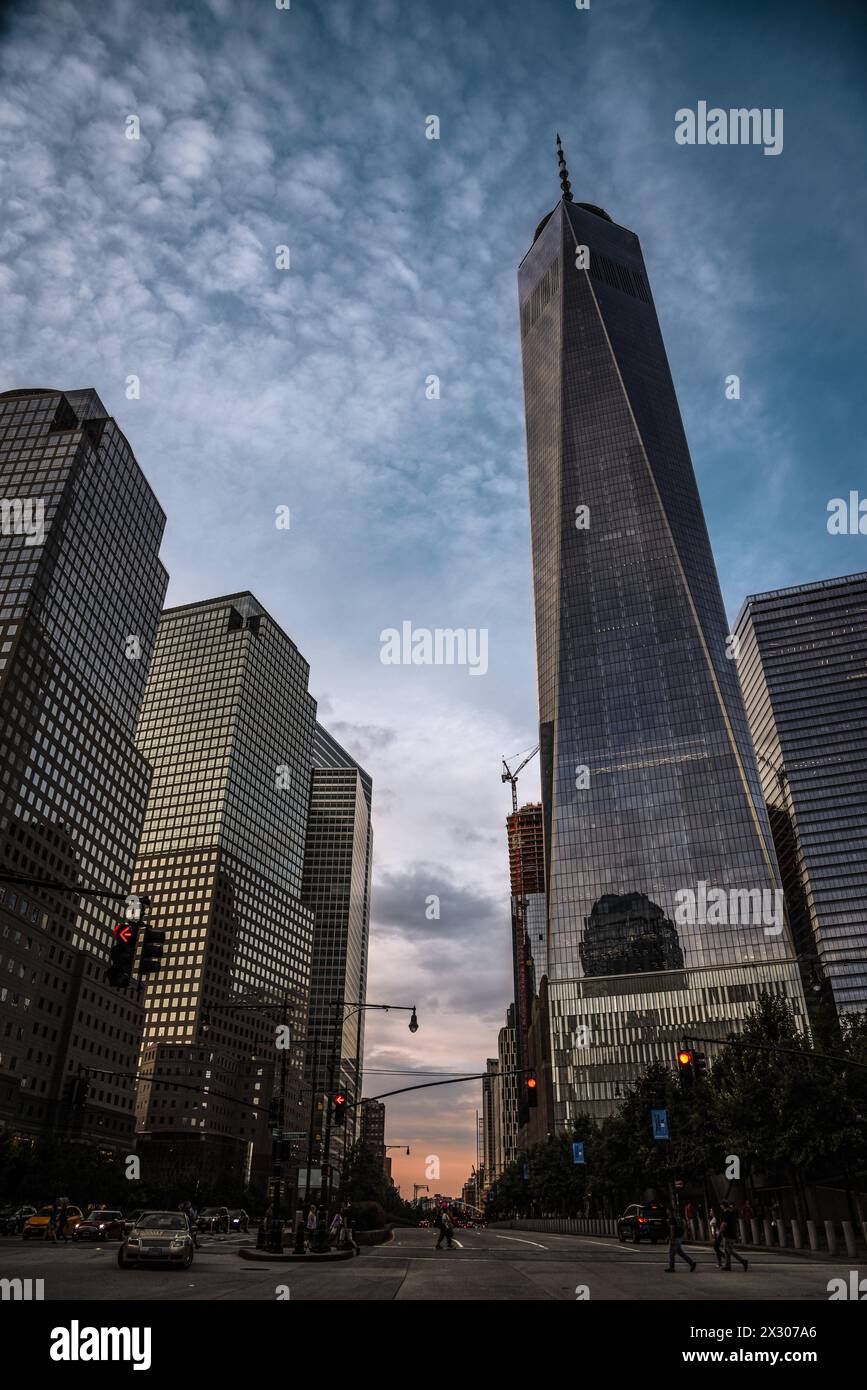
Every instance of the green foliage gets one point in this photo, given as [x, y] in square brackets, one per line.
[797, 1114]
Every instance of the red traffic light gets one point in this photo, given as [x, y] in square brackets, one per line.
[531, 1082]
[340, 1098]
[124, 932]
[684, 1058]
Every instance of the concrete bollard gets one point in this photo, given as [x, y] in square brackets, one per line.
[797, 1238]
[849, 1237]
[754, 1228]
[812, 1235]
[831, 1237]
[768, 1232]
[742, 1232]
[781, 1232]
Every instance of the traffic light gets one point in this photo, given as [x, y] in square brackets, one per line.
[151, 951]
[700, 1063]
[685, 1059]
[339, 1103]
[119, 971]
[532, 1091]
[274, 1112]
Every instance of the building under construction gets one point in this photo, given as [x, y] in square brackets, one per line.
[529, 931]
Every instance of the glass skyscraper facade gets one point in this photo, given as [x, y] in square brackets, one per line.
[336, 887]
[227, 725]
[649, 781]
[803, 667]
[81, 589]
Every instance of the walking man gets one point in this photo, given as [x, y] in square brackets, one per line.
[675, 1242]
[728, 1230]
[446, 1228]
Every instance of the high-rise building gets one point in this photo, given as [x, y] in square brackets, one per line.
[336, 888]
[511, 1086]
[803, 667]
[373, 1129]
[529, 922]
[491, 1122]
[649, 781]
[227, 725]
[81, 588]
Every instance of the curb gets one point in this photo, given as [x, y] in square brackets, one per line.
[265, 1257]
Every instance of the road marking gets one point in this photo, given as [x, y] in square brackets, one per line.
[521, 1239]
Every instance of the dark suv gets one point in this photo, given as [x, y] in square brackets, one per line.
[643, 1221]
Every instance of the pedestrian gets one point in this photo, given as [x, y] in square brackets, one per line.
[728, 1230]
[746, 1212]
[675, 1242]
[713, 1224]
[51, 1233]
[687, 1216]
[446, 1226]
[335, 1229]
[61, 1223]
[312, 1223]
[347, 1233]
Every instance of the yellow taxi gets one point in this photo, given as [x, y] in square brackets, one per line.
[37, 1226]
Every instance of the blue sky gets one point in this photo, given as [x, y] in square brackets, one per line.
[306, 387]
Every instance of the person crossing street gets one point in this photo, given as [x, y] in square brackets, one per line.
[675, 1242]
[446, 1226]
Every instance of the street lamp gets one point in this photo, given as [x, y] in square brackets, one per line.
[343, 1011]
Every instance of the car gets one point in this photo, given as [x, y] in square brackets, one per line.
[239, 1220]
[643, 1221]
[214, 1219]
[101, 1225]
[37, 1225]
[12, 1219]
[158, 1237]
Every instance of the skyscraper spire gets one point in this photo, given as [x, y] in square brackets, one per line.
[564, 172]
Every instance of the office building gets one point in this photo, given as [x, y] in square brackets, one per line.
[81, 589]
[803, 667]
[373, 1130]
[649, 782]
[336, 888]
[227, 726]
[511, 1086]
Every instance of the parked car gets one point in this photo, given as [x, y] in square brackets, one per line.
[36, 1226]
[214, 1219]
[643, 1221]
[12, 1219]
[101, 1225]
[158, 1237]
[239, 1220]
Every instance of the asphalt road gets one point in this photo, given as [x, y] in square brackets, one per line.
[485, 1265]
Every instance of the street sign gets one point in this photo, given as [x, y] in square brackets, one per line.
[660, 1124]
[578, 1151]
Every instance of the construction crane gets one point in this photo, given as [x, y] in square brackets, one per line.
[509, 776]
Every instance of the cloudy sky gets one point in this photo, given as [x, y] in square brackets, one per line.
[263, 387]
